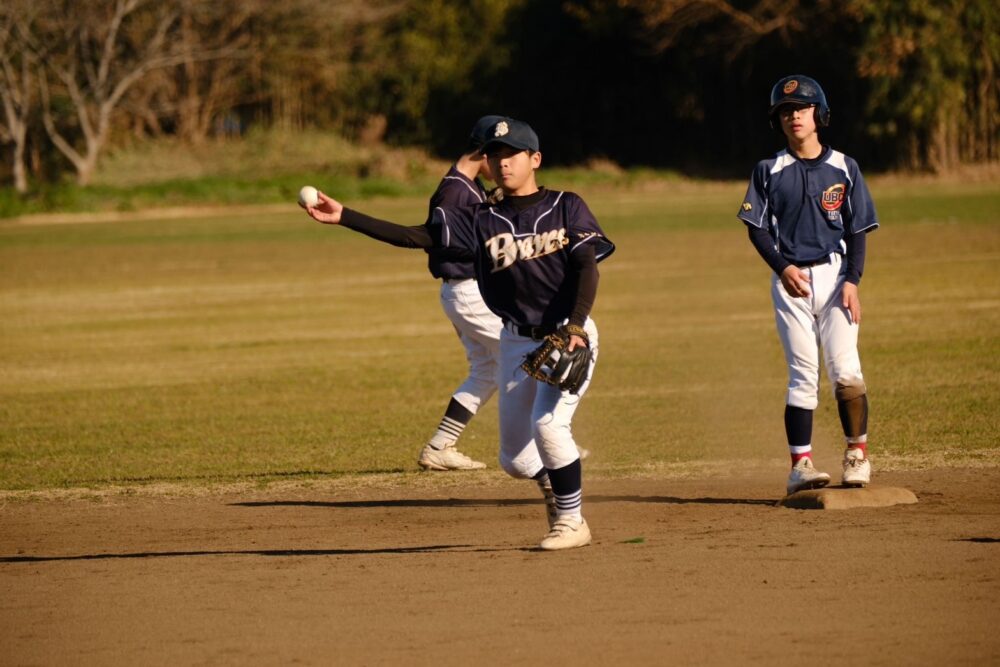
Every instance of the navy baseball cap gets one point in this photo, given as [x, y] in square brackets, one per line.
[514, 133]
[482, 131]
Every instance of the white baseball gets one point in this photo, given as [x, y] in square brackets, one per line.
[308, 196]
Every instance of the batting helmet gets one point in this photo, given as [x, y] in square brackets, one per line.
[799, 89]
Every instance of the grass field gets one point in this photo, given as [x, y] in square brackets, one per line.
[265, 346]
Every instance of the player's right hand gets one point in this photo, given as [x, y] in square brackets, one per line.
[327, 211]
[796, 281]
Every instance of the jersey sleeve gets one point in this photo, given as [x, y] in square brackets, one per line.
[454, 192]
[753, 210]
[582, 228]
[454, 228]
[860, 213]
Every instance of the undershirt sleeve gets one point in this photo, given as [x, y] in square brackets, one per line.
[762, 241]
[583, 261]
[856, 248]
[419, 236]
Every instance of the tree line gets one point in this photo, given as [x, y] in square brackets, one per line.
[682, 84]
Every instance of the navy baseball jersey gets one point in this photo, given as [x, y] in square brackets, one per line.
[454, 191]
[523, 257]
[808, 206]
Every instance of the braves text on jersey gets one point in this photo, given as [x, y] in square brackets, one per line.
[522, 257]
[808, 206]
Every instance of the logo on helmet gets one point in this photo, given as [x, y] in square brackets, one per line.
[790, 87]
[502, 129]
[833, 197]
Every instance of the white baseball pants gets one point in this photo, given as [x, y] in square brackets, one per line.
[479, 330]
[535, 418]
[807, 325]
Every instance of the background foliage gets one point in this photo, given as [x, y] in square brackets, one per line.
[678, 84]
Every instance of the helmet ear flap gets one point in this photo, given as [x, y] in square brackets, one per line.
[822, 115]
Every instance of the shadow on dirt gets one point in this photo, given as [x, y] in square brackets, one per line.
[980, 540]
[283, 553]
[498, 502]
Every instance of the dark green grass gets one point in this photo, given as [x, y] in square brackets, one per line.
[268, 346]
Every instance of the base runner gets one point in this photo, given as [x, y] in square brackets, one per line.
[807, 211]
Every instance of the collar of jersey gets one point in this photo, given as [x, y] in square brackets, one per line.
[510, 210]
[812, 162]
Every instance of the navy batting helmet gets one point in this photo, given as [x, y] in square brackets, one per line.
[799, 89]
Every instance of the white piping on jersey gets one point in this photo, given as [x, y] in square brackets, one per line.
[534, 228]
[582, 241]
[782, 160]
[763, 214]
[839, 160]
[444, 223]
[539, 218]
[593, 237]
[464, 182]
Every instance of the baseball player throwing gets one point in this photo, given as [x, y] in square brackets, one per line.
[807, 211]
[536, 255]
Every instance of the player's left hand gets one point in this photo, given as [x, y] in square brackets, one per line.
[850, 300]
[575, 342]
[327, 211]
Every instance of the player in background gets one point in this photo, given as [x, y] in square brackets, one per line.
[477, 327]
[807, 211]
[536, 255]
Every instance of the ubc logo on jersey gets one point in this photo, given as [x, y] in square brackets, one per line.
[833, 197]
[502, 129]
[790, 87]
[505, 249]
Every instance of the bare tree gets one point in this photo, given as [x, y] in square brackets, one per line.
[110, 45]
[18, 60]
[743, 25]
[206, 88]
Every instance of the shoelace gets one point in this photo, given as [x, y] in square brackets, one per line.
[562, 526]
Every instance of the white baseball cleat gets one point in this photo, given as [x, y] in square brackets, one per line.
[566, 533]
[448, 458]
[857, 468]
[805, 476]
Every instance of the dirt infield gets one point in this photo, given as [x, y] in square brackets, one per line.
[683, 571]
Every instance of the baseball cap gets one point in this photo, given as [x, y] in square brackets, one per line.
[511, 132]
[482, 131]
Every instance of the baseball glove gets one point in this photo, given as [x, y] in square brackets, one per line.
[566, 369]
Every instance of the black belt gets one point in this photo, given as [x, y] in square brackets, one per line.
[808, 265]
[535, 332]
